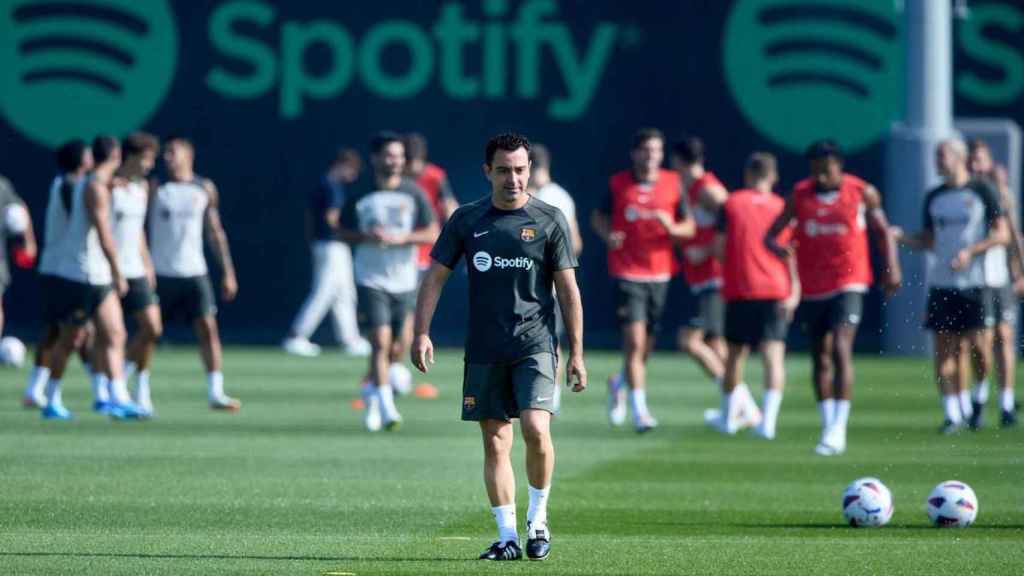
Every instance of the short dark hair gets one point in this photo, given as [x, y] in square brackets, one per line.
[382, 139]
[139, 142]
[642, 135]
[103, 148]
[70, 155]
[180, 139]
[508, 141]
[822, 149]
[347, 156]
[760, 165]
[415, 146]
[540, 156]
[689, 150]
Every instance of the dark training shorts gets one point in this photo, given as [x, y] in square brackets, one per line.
[707, 312]
[640, 302]
[818, 317]
[69, 302]
[139, 297]
[1005, 305]
[957, 311]
[501, 391]
[188, 298]
[750, 322]
[378, 308]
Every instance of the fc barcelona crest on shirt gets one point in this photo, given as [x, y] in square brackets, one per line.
[527, 234]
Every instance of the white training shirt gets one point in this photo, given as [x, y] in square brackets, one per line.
[176, 229]
[55, 225]
[82, 259]
[129, 216]
[558, 197]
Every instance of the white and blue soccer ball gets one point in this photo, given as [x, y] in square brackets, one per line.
[952, 504]
[400, 379]
[12, 351]
[867, 502]
[15, 219]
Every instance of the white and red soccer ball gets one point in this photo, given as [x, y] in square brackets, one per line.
[952, 504]
[867, 502]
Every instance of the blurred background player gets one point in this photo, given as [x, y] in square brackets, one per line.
[129, 201]
[639, 220]
[831, 211]
[761, 291]
[17, 230]
[386, 222]
[180, 210]
[1005, 302]
[333, 288]
[702, 337]
[966, 231]
[544, 189]
[74, 162]
[88, 284]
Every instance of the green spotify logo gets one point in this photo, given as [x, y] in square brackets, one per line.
[801, 70]
[81, 67]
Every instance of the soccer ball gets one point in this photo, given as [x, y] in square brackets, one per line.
[12, 351]
[867, 502]
[15, 219]
[400, 379]
[952, 504]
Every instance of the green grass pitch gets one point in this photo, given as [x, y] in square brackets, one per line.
[293, 485]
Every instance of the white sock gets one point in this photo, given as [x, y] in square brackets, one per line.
[827, 410]
[965, 403]
[842, 414]
[387, 402]
[505, 517]
[638, 401]
[1007, 400]
[142, 389]
[772, 403]
[980, 392]
[727, 408]
[537, 512]
[215, 385]
[53, 396]
[119, 391]
[101, 387]
[951, 405]
[37, 378]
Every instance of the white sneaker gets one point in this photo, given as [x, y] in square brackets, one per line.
[833, 442]
[400, 379]
[300, 347]
[749, 414]
[713, 419]
[616, 400]
[761, 432]
[371, 417]
[644, 423]
[359, 348]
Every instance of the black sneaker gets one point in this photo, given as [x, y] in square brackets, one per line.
[976, 421]
[948, 427]
[538, 542]
[1008, 419]
[503, 551]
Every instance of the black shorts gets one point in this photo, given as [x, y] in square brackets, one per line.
[501, 391]
[640, 302]
[751, 322]
[69, 302]
[707, 312]
[818, 317]
[1005, 305]
[139, 297]
[187, 298]
[955, 310]
[378, 308]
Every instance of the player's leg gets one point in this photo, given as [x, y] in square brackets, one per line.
[835, 435]
[635, 341]
[110, 344]
[149, 328]
[399, 376]
[540, 466]
[735, 361]
[500, 482]
[774, 325]
[33, 396]
[981, 344]
[1006, 361]
[947, 362]
[69, 338]
[311, 313]
[693, 343]
[199, 306]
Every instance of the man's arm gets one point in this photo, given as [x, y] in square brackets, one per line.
[449, 203]
[424, 235]
[422, 350]
[998, 235]
[784, 219]
[219, 240]
[572, 313]
[712, 197]
[577, 238]
[793, 300]
[677, 229]
[886, 240]
[97, 204]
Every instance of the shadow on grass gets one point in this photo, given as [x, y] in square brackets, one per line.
[225, 557]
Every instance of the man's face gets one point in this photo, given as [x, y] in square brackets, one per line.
[115, 158]
[649, 155]
[509, 173]
[177, 156]
[947, 161]
[981, 161]
[390, 161]
[147, 161]
[87, 160]
[827, 172]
